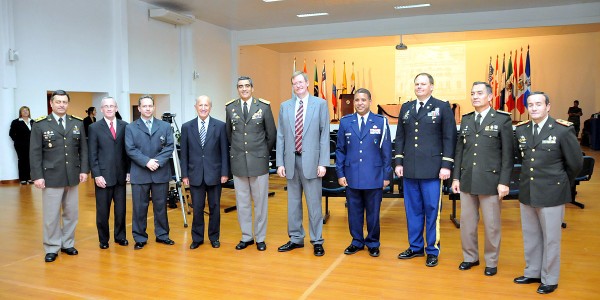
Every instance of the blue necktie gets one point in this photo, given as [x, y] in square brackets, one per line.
[202, 134]
[362, 125]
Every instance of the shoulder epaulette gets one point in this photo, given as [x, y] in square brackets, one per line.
[76, 117]
[232, 100]
[443, 100]
[523, 123]
[469, 113]
[347, 116]
[563, 122]
[504, 112]
[377, 115]
[264, 101]
[40, 118]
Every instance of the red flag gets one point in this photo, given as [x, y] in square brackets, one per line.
[305, 72]
[495, 87]
[510, 99]
[323, 83]
[520, 84]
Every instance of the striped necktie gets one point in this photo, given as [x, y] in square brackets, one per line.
[202, 134]
[299, 127]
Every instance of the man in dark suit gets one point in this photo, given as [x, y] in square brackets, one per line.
[204, 167]
[251, 132]
[59, 162]
[302, 154]
[552, 159]
[364, 166]
[149, 144]
[425, 141]
[110, 168]
[484, 161]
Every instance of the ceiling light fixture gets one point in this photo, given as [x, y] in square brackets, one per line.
[401, 46]
[412, 6]
[312, 15]
[267, 1]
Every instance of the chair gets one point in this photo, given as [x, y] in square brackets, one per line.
[331, 188]
[584, 175]
[332, 146]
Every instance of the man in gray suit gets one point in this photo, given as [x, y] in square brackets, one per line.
[149, 144]
[302, 154]
[484, 161]
[59, 162]
[551, 160]
[251, 132]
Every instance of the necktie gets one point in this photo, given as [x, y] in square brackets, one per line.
[536, 134]
[149, 125]
[299, 126]
[362, 125]
[245, 110]
[477, 122]
[61, 125]
[202, 134]
[420, 106]
[112, 130]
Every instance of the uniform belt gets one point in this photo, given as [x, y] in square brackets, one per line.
[298, 153]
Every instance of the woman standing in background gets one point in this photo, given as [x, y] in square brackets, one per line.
[91, 118]
[20, 131]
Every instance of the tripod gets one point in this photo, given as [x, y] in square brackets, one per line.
[177, 167]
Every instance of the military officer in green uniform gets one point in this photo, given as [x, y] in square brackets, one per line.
[252, 134]
[483, 162]
[59, 162]
[551, 160]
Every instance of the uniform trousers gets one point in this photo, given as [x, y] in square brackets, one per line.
[104, 198]
[469, 219]
[140, 194]
[541, 239]
[312, 189]
[422, 202]
[199, 197]
[56, 203]
[360, 202]
[258, 188]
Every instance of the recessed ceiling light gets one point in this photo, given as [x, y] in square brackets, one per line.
[412, 6]
[312, 15]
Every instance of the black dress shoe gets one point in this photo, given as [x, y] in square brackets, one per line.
[215, 244]
[242, 245]
[490, 271]
[166, 241]
[50, 257]
[261, 246]
[431, 261]
[289, 246]
[526, 280]
[465, 265]
[122, 242]
[69, 251]
[352, 249]
[139, 245]
[408, 253]
[195, 245]
[374, 252]
[103, 245]
[318, 250]
[546, 288]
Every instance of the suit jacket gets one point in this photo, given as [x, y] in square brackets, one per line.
[141, 146]
[363, 158]
[108, 157]
[315, 137]
[251, 139]
[550, 165]
[484, 157]
[58, 155]
[425, 141]
[206, 164]
[20, 134]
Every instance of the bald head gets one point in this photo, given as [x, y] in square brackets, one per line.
[203, 106]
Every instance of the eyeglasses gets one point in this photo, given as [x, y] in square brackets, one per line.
[109, 106]
[298, 83]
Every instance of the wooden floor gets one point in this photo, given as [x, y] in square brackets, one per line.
[176, 272]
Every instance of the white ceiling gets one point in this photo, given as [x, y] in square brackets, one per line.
[256, 14]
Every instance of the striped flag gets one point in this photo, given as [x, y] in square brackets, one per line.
[316, 83]
[352, 80]
[520, 84]
[323, 83]
[527, 79]
[334, 91]
[490, 72]
[495, 87]
[344, 81]
[502, 83]
[510, 99]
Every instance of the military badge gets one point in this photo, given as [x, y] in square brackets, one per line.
[76, 130]
[522, 139]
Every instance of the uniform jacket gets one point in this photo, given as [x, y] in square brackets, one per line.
[425, 142]
[108, 157]
[315, 137]
[141, 146]
[364, 159]
[484, 157]
[206, 164]
[58, 155]
[251, 140]
[549, 166]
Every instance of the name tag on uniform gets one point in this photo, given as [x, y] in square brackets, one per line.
[348, 133]
[375, 131]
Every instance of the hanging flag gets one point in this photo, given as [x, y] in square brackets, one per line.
[304, 70]
[352, 80]
[344, 81]
[334, 91]
[520, 85]
[502, 83]
[323, 83]
[316, 83]
[496, 99]
[527, 79]
[510, 99]
[490, 72]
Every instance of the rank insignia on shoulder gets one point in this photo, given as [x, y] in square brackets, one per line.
[563, 122]
[469, 113]
[523, 122]
[76, 117]
[503, 112]
[231, 101]
[264, 101]
[40, 118]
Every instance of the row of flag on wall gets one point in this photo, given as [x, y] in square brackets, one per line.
[511, 85]
[320, 90]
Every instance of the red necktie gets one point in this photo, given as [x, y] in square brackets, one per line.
[299, 127]
[112, 130]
